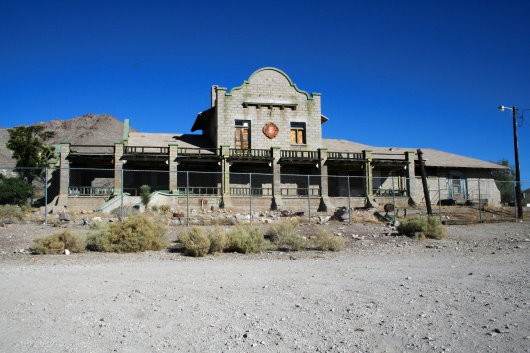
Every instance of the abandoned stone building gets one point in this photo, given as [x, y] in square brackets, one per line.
[261, 140]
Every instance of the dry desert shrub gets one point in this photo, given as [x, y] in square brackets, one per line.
[285, 236]
[11, 213]
[218, 240]
[246, 239]
[164, 209]
[137, 233]
[326, 241]
[422, 227]
[58, 242]
[195, 241]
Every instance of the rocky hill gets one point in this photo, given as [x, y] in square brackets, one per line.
[89, 129]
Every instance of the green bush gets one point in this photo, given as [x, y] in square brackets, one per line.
[246, 240]
[137, 233]
[218, 240]
[195, 241]
[145, 194]
[422, 227]
[285, 236]
[326, 241]
[14, 191]
[11, 213]
[57, 243]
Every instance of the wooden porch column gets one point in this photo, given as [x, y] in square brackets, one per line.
[64, 173]
[226, 200]
[276, 179]
[173, 168]
[368, 178]
[412, 187]
[325, 201]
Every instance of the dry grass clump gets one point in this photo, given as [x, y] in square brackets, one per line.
[195, 241]
[422, 227]
[11, 213]
[58, 242]
[326, 241]
[137, 233]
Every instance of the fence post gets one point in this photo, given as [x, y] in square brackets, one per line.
[187, 198]
[46, 195]
[439, 200]
[308, 198]
[121, 195]
[250, 195]
[394, 200]
[349, 201]
[515, 200]
[479, 198]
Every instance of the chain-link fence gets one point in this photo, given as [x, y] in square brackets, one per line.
[189, 195]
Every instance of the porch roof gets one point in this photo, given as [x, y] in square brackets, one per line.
[433, 158]
[163, 140]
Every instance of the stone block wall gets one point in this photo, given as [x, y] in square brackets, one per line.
[283, 103]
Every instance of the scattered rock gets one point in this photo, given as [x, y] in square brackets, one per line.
[65, 217]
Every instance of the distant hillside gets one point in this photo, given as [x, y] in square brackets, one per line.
[89, 129]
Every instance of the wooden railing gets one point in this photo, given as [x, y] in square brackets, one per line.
[196, 152]
[250, 153]
[146, 150]
[345, 155]
[292, 154]
[389, 192]
[299, 191]
[90, 191]
[245, 191]
[199, 190]
[91, 149]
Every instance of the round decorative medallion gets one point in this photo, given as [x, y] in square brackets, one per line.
[270, 130]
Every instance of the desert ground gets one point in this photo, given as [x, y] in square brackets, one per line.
[467, 293]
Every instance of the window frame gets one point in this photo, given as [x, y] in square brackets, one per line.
[239, 124]
[297, 127]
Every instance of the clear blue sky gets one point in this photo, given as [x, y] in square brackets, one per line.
[392, 73]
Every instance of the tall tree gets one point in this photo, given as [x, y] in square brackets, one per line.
[29, 147]
[505, 178]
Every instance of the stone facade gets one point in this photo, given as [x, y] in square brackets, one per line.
[268, 95]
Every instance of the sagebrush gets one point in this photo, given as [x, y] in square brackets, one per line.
[195, 241]
[218, 240]
[11, 213]
[58, 242]
[137, 233]
[326, 241]
[243, 239]
[285, 235]
[246, 239]
[422, 227]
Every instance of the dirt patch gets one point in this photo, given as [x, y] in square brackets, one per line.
[466, 293]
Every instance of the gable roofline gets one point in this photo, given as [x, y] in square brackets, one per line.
[291, 83]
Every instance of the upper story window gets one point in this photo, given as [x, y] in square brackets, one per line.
[242, 134]
[298, 133]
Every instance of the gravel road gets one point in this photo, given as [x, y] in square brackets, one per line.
[467, 293]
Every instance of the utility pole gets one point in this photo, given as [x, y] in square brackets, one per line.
[518, 199]
[424, 182]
